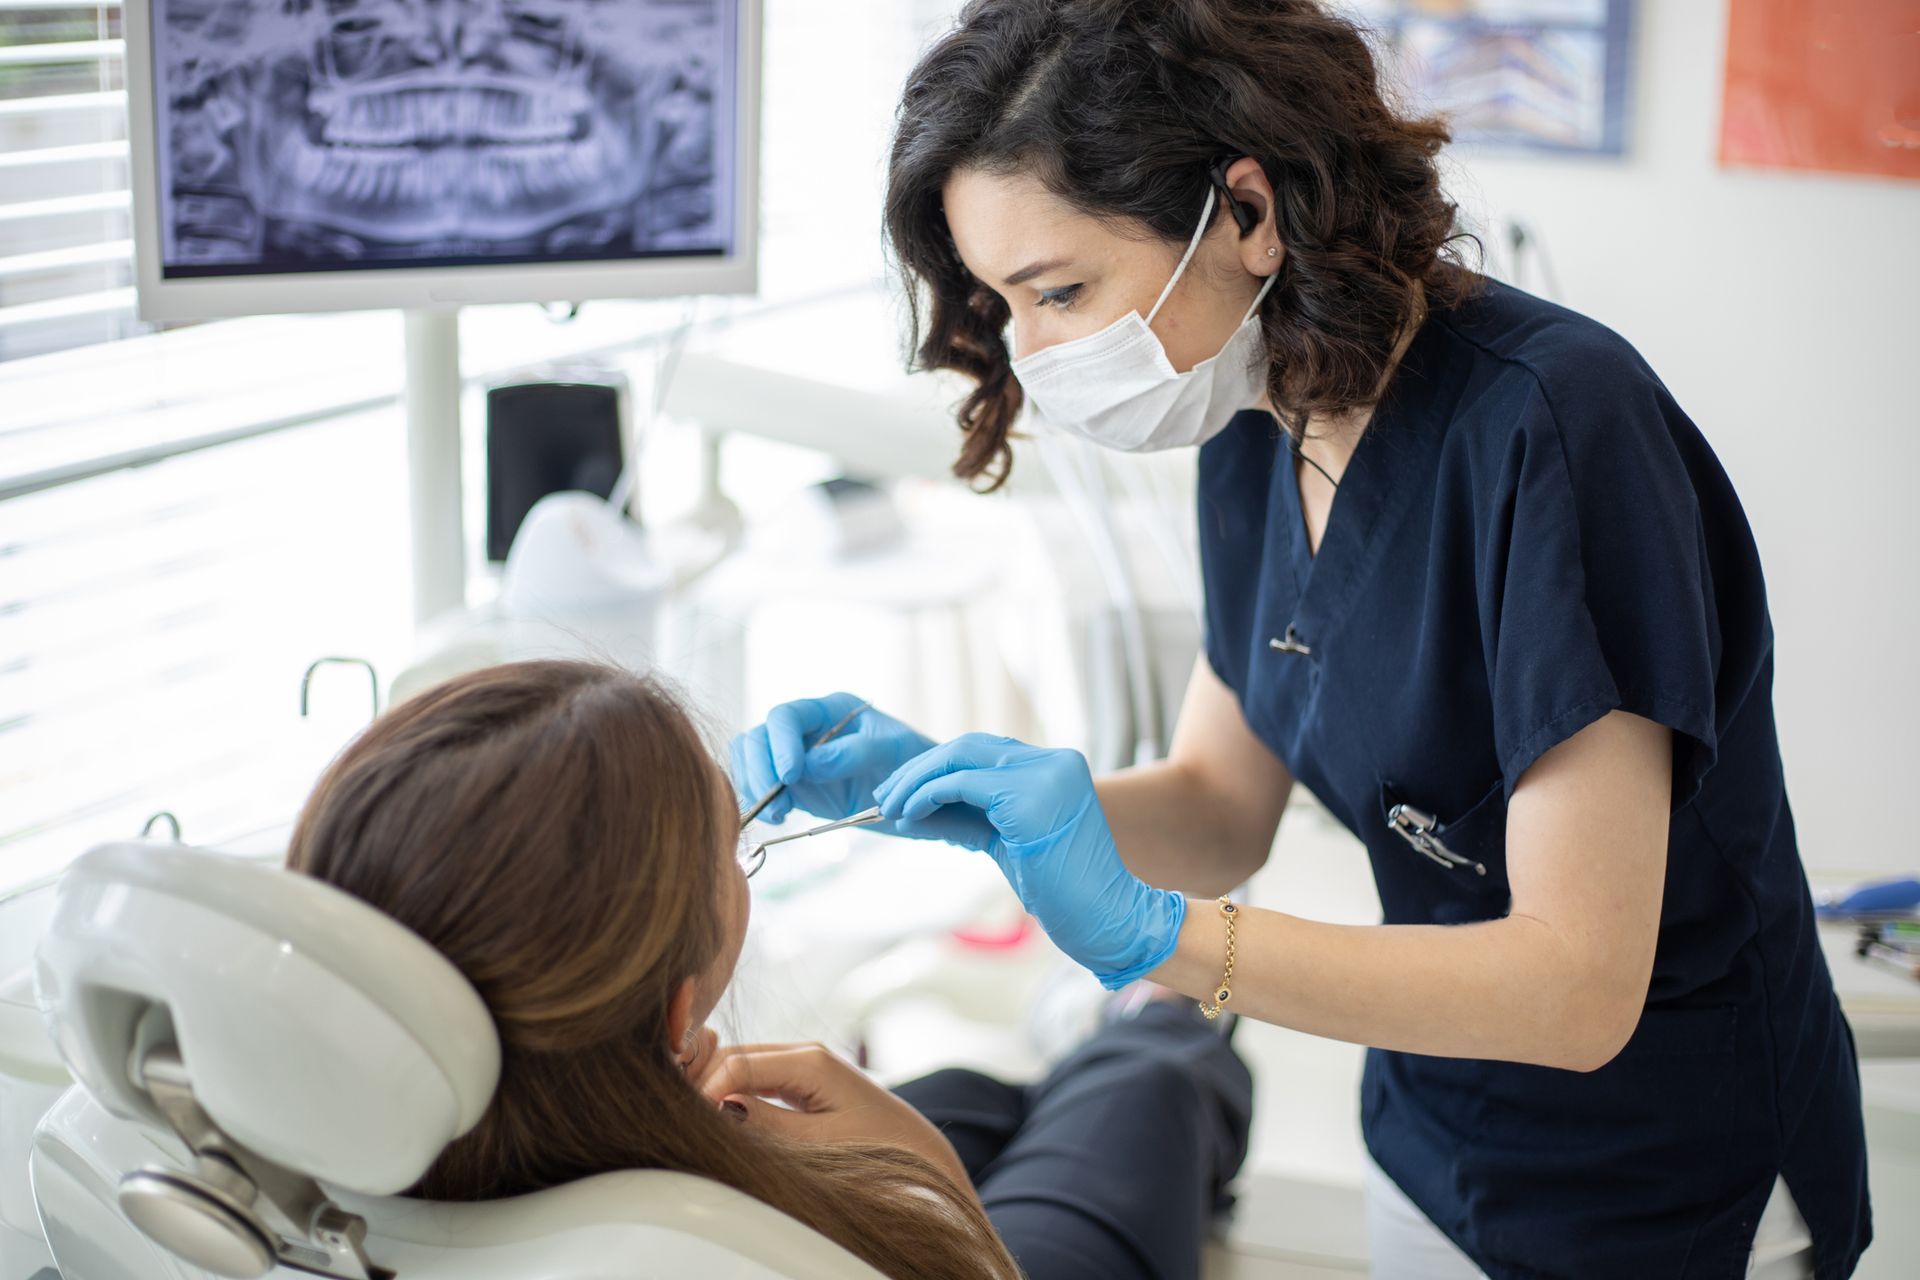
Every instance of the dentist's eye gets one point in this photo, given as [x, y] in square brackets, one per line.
[1063, 297]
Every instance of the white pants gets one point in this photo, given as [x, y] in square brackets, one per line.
[1405, 1245]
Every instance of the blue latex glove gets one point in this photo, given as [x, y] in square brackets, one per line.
[835, 779]
[1049, 835]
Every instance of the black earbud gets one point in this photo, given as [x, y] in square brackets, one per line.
[1243, 216]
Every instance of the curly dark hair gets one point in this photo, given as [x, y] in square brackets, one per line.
[1119, 108]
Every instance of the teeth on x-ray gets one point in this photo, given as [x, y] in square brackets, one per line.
[358, 131]
[424, 117]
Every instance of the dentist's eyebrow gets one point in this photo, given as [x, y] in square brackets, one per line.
[1033, 269]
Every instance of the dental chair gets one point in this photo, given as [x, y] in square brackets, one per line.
[265, 1064]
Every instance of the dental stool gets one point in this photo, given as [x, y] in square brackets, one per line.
[265, 1063]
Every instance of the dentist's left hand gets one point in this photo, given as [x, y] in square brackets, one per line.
[1048, 833]
[835, 779]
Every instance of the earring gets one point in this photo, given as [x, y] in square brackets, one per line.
[1273, 253]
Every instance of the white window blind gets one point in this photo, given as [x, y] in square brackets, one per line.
[155, 624]
[66, 251]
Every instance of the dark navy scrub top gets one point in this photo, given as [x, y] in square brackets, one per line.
[1529, 535]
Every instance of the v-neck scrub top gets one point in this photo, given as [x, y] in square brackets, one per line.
[1531, 534]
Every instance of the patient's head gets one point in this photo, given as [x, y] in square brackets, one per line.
[559, 832]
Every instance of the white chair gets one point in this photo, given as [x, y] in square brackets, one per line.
[265, 1063]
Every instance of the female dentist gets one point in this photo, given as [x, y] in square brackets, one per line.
[1471, 575]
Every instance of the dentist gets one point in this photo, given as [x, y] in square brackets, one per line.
[1472, 577]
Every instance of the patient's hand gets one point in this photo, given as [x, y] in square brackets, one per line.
[827, 1099]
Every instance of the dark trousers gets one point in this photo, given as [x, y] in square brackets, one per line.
[1114, 1165]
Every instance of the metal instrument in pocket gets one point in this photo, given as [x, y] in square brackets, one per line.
[1421, 830]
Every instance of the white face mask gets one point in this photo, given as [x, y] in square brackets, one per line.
[1117, 388]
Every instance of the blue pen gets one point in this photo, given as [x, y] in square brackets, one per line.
[1878, 898]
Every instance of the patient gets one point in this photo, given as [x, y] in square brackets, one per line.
[559, 832]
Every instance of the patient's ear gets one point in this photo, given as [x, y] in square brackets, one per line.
[680, 1017]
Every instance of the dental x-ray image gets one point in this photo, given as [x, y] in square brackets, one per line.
[313, 135]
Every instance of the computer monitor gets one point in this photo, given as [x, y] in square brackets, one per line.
[311, 155]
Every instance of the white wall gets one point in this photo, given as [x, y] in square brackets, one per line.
[1783, 310]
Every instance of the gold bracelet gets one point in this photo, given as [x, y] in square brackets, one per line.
[1224, 992]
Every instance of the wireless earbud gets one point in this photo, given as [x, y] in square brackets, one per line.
[1244, 217]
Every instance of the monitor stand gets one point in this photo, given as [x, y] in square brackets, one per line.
[433, 462]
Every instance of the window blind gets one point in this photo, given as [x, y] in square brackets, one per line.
[66, 251]
[155, 624]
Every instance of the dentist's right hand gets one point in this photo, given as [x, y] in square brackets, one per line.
[1046, 830]
[836, 779]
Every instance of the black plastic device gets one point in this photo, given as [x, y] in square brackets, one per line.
[1243, 216]
[544, 437]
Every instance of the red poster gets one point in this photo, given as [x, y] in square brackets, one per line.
[1823, 84]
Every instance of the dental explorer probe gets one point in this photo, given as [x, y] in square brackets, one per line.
[778, 787]
[860, 819]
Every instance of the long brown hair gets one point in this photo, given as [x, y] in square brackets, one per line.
[1120, 107]
[555, 830]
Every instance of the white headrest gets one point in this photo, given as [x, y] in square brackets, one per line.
[315, 1030]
